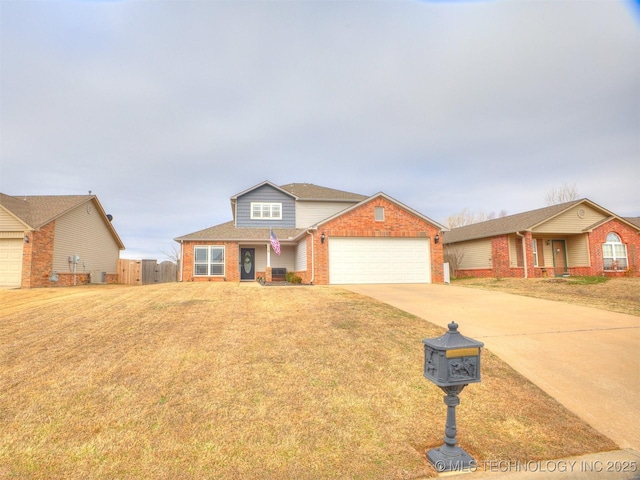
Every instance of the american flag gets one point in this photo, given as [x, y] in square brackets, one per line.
[275, 244]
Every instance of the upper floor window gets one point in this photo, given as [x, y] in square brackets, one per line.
[378, 214]
[614, 253]
[208, 261]
[266, 211]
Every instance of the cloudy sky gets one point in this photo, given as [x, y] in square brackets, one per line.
[166, 109]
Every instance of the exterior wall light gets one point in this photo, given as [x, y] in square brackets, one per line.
[323, 237]
[436, 238]
[26, 238]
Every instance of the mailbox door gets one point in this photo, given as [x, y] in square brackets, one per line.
[463, 365]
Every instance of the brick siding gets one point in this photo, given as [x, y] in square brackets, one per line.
[231, 262]
[38, 257]
[501, 265]
[360, 222]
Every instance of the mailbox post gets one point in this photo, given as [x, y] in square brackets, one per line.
[451, 361]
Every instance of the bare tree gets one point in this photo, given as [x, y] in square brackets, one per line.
[453, 255]
[467, 217]
[173, 254]
[562, 194]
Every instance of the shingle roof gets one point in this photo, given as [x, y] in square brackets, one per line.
[309, 191]
[38, 210]
[634, 220]
[228, 232]
[509, 224]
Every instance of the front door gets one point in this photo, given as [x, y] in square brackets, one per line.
[559, 257]
[248, 264]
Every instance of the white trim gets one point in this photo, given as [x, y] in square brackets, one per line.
[261, 206]
[209, 262]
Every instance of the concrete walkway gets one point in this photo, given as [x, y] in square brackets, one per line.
[587, 359]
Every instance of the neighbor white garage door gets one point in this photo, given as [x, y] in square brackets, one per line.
[379, 260]
[10, 262]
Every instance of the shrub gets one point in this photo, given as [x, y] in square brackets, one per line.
[292, 278]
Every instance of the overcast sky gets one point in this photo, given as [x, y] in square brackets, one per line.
[166, 109]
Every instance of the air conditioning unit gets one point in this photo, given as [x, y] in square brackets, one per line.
[98, 277]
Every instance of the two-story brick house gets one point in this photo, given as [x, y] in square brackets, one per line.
[325, 236]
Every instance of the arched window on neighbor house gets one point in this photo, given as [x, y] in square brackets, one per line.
[614, 253]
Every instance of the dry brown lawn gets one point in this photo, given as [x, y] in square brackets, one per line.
[613, 294]
[196, 381]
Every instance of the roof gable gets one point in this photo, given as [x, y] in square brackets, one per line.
[307, 191]
[389, 199]
[36, 211]
[258, 186]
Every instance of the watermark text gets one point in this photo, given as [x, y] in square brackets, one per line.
[543, 466]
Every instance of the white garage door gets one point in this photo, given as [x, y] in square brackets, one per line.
[10, 262]
[379, 260]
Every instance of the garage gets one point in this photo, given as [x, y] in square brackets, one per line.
[355, 260]
[10, 262]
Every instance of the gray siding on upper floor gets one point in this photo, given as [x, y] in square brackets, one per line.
[266, 194]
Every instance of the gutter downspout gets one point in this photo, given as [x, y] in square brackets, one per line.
[181, 260]
[524, 253]
[313, 256]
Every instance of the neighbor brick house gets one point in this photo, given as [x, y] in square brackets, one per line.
[573, 238]
[57, 240]
[325, 236]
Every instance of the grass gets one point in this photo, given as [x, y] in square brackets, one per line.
[588, 280]
[196, 381]
[613, 294]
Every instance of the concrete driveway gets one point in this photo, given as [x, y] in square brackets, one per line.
[587, 359]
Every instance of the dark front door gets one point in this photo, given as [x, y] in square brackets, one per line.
[559, 257]
[247, 264]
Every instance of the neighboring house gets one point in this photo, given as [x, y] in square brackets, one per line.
[573, 238]
[325, 236]
[56, 241]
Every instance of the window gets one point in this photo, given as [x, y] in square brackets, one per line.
[614, 253]
[378, 213]
[537, 249]
[270, 211]
[209, 261]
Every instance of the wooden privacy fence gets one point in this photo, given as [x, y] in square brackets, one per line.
[146, 272]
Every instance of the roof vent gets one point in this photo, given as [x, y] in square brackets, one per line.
[109, 217]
